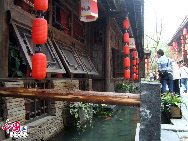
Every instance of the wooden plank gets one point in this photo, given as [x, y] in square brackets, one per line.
[74, 95]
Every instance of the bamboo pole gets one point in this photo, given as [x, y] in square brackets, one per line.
[74, 95]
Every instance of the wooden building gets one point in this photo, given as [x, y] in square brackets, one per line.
[85, 56]
[177, 37]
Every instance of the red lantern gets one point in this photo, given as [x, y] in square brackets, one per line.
[137, 60]
[127, 74]
[182, 41]
[39, 65]
[177, 53]
[126, 24]
[137, 66]
[126, 49]
[134, 62]
[134, 54]
[41, 5]
[127, 62]
[182, 49]
[183, 45]
[134, 69]
[39, 31]
[147, 57]
[88, 10]
[174, 44]
[126, 37]
[182, 37]
[134, 76]
[184, 31]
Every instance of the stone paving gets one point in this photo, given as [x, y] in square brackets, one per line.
[178, 129]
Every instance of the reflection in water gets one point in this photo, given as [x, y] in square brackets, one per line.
[121, 127]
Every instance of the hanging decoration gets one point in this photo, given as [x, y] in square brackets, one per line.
[134, 76]
[39, 66]
[88, 10]
[39, 36]
[126, 49]
[127, 62]
[41, 5]
[127, 74]
[184, 31]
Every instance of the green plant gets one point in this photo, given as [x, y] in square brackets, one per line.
[15, 62]
[88, 112]
[123, 86]
[170, 99]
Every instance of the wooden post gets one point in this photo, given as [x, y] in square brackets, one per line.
[107, 56]
[4, 38]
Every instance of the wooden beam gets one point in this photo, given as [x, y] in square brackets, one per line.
[4, 38]
[74, 95]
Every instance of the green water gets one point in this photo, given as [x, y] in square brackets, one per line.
[121, 127]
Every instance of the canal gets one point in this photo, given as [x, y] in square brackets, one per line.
[121, 126]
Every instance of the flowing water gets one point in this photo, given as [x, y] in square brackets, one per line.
[120, 127]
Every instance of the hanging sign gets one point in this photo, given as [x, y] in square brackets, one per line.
[88, 10]
[131, 43]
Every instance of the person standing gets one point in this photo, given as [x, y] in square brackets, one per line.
[165, 71]
[176, 77]
[184, 77]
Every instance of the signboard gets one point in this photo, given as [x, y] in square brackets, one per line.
[131, 43]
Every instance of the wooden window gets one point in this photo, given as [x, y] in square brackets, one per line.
[62, 18]
[36, 108]
[69, 58]
[24, 37]
[86, 62]
[78, 29]
[26, 5]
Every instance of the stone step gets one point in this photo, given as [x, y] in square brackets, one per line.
[169, 136]
[175, 128]
[183, 136]
[179, 122]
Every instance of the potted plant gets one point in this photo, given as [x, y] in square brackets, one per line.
[171, 105]
[123, 88]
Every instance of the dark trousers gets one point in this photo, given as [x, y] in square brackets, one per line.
[167, 80]
[176, 87]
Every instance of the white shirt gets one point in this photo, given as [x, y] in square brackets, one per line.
[176, 71]
[184, 72]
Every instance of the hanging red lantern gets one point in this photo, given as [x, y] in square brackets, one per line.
[134, 69]
[88, 10]
[182, 41]
[126, 37]
[127, 74]
[39, 31]
[174, 44]
[184, 31]
[134, 76]
[183, 50]
[182, 37]
[39, 65]
[177, 53]
[126, 49]
[137, 60]
[41, 5]
[127, 62]
[147, 57]
[134, 62]
[183, 45]
[137, 66]
[134, 54]
[126, 24]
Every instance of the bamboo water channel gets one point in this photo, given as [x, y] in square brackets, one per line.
[74, 95]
